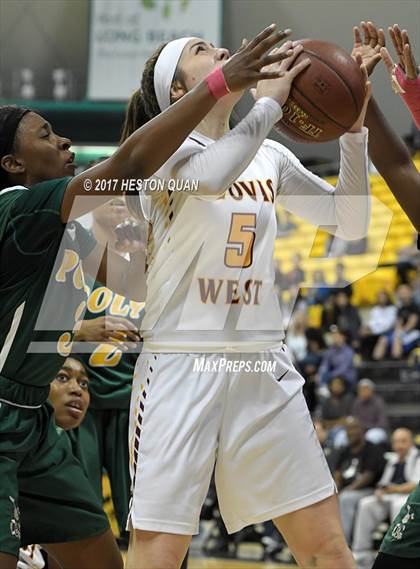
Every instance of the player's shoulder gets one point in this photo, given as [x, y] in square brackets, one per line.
[11, 193]
[8, 197]
[277, 148]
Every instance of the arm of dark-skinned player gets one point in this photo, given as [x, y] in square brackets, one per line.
[393, 161]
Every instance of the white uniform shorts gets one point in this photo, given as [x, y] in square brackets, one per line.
[193, 413]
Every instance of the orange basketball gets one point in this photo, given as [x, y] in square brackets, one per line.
[326, 98]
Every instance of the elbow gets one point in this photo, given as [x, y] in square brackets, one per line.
[355, 224]
[212, 189]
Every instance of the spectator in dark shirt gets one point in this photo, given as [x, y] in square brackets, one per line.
[358, 468]
[320, 289]
[297, 275]
[406, 335]
[346, 315]
[338, 406]
[400, 477]
[341, 283]
[335, 409]
[370, 409]
[327, 447]
[338, 360]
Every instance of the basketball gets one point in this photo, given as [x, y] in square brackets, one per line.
[326, 98]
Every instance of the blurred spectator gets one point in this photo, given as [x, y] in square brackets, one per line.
[309, 368]
[381, 320]
[297, 275]
[340, 312]
[338, 359]
[370, 410]
[415, 284]
[296, 338]
[336, 408]
[400, 477]
[280, 282]
[406, 334]
[320, 290]
[358, 468]
[341, 283]
[408, 260]
[325, 443]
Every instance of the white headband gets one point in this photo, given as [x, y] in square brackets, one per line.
[165, 68]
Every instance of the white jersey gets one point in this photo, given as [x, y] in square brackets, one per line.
[210, 281]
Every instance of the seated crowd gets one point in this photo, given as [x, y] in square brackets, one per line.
[374, 468]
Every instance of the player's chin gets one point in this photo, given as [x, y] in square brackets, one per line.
[69, 169]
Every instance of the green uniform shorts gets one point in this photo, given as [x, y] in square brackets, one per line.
[403, 536]
[103, 444]
[45, 497]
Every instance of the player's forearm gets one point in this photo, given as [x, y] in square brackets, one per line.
[364, 481]
[146, 150]
[140, 156]
[386, 148]
[392, 159]
[405, 488]
[352, 192]
[219, 165]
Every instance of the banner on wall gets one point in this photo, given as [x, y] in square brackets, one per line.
[124, 33]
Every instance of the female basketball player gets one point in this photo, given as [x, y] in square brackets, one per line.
[203, 393]
[44, 495]
[401, 545]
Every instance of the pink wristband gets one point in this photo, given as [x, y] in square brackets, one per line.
[410, 94]
[216, 84]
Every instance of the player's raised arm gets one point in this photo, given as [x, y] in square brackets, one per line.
[220, 163]
[386, 149]
[343, 210]
[150, 147]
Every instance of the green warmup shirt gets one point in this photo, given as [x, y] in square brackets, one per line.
[110, 369]
[42, 288]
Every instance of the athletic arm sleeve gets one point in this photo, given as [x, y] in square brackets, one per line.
[343, 210]
[219, 164]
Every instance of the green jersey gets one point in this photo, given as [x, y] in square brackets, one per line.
[42, 288]
[110, 369]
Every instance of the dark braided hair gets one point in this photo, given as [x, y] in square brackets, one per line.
[10, 117]
[143, 104]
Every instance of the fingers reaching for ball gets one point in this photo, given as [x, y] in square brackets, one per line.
[286, 70]
[406, 59]
[387, 59]
[368, 41]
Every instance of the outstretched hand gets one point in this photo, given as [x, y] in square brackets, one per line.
[252, 62]
[368, 44]
[287, 71]
[405, 54]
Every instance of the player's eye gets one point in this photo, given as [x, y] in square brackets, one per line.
[62, 377]
[84, 384]
[200, 48]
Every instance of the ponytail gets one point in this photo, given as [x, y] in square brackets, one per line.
[135, 115]
[143, 104]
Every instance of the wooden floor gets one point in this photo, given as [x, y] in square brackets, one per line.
[207, 563]
[211, 563]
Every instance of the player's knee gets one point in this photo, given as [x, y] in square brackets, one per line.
[323, 546]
